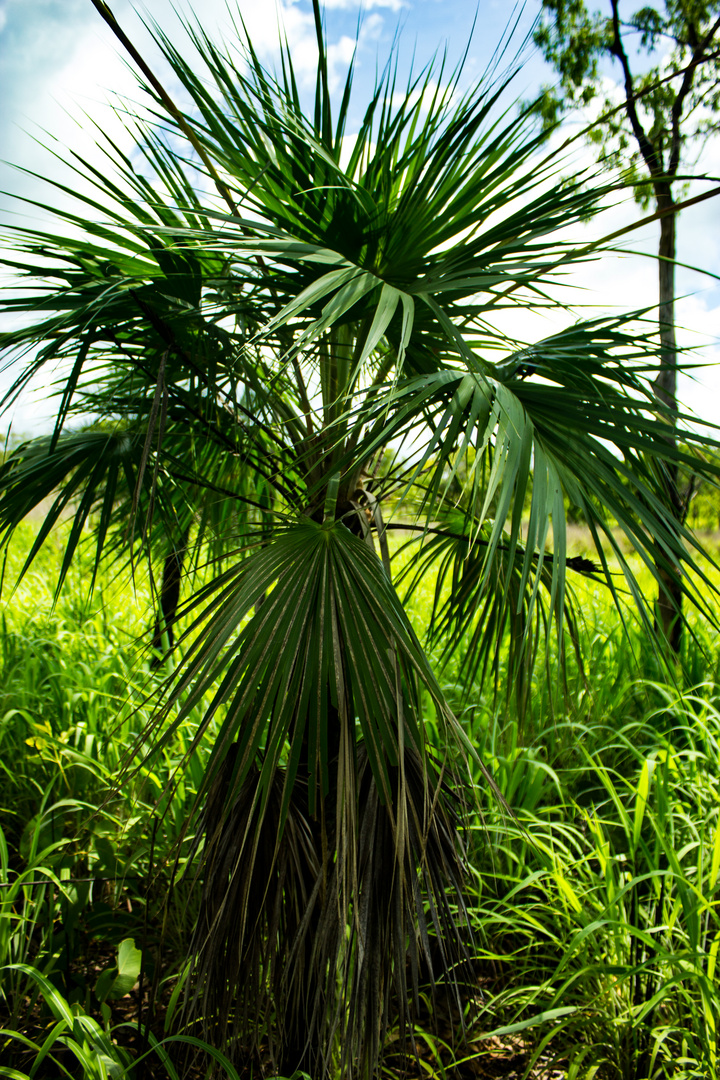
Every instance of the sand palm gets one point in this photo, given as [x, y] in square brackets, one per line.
[285, 338]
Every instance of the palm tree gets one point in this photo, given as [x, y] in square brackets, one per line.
[280, 371]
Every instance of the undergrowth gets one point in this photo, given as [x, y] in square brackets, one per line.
[594, 905]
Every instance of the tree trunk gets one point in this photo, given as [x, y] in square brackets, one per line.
[169, 600]
[669, 606]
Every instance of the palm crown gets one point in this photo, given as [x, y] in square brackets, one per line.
[270, 367]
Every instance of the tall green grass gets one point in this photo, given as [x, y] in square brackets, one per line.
[599, 904]
[596, 905]
[595, 908]
[85, 862]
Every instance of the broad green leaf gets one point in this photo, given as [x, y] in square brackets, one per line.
[119, 980]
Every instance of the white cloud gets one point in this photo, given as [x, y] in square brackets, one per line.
[352, 5]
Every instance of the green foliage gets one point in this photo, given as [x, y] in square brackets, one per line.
[119, 980]
[76, 1040]
[254, 356]
[605, 891]
[662, 110]
[704, 508]
[594, 911]
[668, 105]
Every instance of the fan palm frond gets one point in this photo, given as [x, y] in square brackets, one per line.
[286, 341]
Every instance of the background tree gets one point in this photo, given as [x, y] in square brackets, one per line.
[260, 311]
[668, 109]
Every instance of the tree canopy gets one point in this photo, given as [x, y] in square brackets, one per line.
[670, 107]
[666, 111]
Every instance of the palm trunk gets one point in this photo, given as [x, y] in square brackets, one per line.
[669, 605]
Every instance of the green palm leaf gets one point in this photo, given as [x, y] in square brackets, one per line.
[320, 748]
[276, 369]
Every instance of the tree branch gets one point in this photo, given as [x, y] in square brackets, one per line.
[648, 151]
[696, 59]
[609, 113]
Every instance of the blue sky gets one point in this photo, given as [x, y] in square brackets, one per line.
[55, 51]
[59, 67]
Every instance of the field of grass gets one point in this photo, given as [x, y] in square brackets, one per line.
[594, 908]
